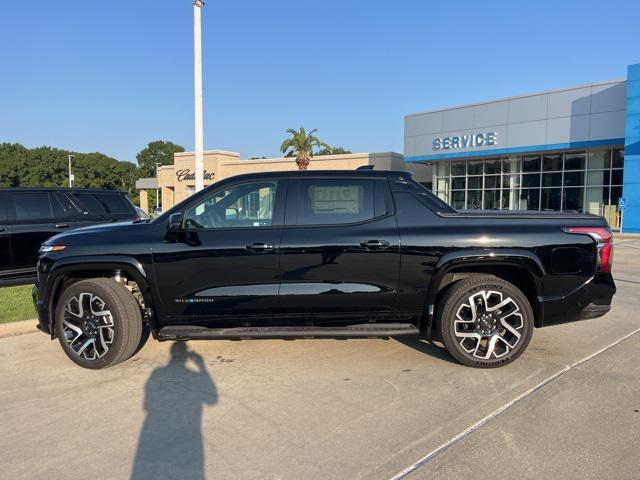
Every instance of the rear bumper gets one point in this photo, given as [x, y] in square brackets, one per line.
[591, 300]
[593, 310]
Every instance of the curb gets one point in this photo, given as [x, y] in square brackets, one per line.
[13, 329]
[626, 236]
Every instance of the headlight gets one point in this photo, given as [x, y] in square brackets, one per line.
[51, 248]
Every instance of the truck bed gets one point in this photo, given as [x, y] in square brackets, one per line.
[529, 214]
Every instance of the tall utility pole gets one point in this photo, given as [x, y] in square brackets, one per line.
[70, 174]
[197, 74]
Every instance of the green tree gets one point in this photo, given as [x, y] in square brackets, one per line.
[159, 151]
[332, 151]
[48, 167]
[301, 145]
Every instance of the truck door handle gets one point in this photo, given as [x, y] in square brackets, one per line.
[375, 244]
[62, 225]
[259, 247]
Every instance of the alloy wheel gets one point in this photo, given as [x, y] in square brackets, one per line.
[489, 325]
[88, 326]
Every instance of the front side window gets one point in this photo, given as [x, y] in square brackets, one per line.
[323, 202]
[240, 206]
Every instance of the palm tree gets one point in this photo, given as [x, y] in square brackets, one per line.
[301, 146]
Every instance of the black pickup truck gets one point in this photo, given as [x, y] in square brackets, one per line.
[323, 254]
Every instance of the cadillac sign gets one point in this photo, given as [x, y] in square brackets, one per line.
[188, 175]
[465, 141]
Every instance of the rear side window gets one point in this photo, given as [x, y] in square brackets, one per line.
[63, 202]
[114, 202]
[61, 206]
[32, 206]
[89, 204]
[322, 202]
[401, 183]
[58, 211]
[427, 197]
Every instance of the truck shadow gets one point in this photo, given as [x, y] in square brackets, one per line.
[171, 443]
[426, 346]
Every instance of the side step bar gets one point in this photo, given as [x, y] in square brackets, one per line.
[186, 332]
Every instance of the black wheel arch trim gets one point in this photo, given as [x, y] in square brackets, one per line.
[484, 258]
[63, 267]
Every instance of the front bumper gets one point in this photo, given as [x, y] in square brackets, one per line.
[41, 295]
[41, 310]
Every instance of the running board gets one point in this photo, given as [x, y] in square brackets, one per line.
[178, 332]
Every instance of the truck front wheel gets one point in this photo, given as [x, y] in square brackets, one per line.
[98, 323]
[484, 321]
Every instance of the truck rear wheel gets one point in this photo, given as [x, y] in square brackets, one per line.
[484, 321]
[98, 323]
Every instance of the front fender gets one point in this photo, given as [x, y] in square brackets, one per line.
[91, 262]
[54, 273]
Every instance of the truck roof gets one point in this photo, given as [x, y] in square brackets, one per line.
[56, 189]
[321, 173]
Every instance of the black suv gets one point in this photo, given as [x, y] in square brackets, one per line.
[29, 216]
[323, 254]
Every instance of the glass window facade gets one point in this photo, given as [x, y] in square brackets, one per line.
[588, 181]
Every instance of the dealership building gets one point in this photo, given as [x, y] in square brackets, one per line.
[571, 149]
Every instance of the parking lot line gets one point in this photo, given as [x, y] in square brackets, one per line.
[433, 453]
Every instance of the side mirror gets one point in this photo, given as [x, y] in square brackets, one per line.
[175, 222]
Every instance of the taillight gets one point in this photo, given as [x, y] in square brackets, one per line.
[604, 243]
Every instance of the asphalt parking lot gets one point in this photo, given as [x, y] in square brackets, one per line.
[333, 409]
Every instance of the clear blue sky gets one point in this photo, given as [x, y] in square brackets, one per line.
[112, 75]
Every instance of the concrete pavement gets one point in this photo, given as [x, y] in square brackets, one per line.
[584, 425]
[331, 409]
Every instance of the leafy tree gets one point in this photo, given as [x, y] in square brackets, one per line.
[328, 150]
[48, 167]
[159, 151]
[301, 145]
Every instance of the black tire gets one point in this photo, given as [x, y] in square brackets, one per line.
[144, 336]
[117, 334]
[500, 310]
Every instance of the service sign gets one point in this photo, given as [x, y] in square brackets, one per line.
[465, 141]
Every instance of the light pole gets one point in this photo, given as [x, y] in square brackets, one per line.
[70, 174]
[197, 75]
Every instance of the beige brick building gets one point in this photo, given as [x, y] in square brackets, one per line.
[176, 182]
